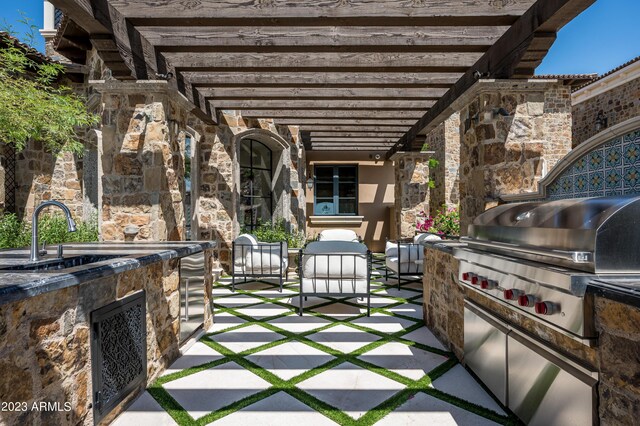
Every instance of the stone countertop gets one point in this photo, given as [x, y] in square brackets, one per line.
[623, 290]
[446, 246]
[18, 285]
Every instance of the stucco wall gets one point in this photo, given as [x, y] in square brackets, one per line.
[375, 196]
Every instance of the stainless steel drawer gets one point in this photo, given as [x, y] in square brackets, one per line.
[485, 350]
[546, 388]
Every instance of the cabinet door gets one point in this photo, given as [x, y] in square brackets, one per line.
[544, 390]
[485, 350]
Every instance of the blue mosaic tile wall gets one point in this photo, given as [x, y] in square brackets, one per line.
[613, 168]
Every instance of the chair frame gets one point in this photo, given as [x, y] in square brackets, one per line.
[304, 295]
[251, 248]
[408, 243]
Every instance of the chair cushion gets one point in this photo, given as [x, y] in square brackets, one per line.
[426, 237]
[409, 267]
[334, 286]
[335, 259]
[244, 244]
[409, 252]
[338, 235]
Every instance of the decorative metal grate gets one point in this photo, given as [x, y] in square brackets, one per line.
[9, 165]
[118, 352]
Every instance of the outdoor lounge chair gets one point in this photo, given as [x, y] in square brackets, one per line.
[405, 257]
[252, 258]
[338, 235]
[335, 269]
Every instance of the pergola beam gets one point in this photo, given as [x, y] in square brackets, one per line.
[197, 12]
[307, 79]
[322, 61]
[333, 115]
[323, 38]
[321, 104]
[501, 60]
[322, 93]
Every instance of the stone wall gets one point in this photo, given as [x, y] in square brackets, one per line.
[45, 341]
[142, 161]
[411, 190]
[503, 155]
[218, 194]
[618, 327]
[443, 299]
[444, 140]
[42, 176]
[618, 104]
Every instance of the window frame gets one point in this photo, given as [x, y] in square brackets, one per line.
[251, 168]
[336, 189]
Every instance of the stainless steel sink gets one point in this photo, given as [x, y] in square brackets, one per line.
[52, 265]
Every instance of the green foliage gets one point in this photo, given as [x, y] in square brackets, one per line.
[445, 222]
[276, 232]
[13, 233]
[33, 106]
[52, 229]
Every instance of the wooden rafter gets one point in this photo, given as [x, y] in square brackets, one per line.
[360, 72]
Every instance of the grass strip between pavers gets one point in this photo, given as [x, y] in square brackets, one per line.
[289, 386]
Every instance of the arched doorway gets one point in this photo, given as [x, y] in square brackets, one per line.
[256, 184]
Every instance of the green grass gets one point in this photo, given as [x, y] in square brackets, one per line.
[413, 387]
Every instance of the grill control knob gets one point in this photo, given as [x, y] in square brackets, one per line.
[488, 284]
[466, 276]
[474, 280]
[525, 300]
[511, 294]
[544, 308]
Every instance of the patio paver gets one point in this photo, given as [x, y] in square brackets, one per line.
[264, 364]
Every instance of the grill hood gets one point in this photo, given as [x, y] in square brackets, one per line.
[598, 235]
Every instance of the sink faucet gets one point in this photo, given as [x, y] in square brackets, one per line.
[71, 226]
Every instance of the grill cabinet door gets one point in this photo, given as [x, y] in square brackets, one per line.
[485, 350]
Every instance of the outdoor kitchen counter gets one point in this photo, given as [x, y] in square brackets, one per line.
[57, 326]
[625, 291]
[18, 285]
[446, 246]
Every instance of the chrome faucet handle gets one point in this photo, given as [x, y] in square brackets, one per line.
[60, 251]
[43, 251]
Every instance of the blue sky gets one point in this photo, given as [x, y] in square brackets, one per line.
[601, 38]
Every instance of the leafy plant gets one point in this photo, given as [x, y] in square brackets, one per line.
[33, 103]
[445, 222]
[276, 232]
[13, 232]
[52, 229]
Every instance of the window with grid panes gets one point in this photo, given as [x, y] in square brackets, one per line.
[336, 190]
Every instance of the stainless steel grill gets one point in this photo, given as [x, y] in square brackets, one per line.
[537, 259]
[596, 235]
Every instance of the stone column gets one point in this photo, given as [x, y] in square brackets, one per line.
[411, 189]
[142, 161]
[444, 140]
[513, 131]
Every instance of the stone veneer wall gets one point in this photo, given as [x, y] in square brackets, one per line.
[218, 194]
[445, 141]
[507, 155]
[618, 104]
[45, 341]
[142, 162]
[616, 357]
[42, 176]
[444, 299]
[411, 190]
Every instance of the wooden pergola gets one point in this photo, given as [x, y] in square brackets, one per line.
[353, 74]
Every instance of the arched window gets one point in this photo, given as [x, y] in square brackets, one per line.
[256, 205]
